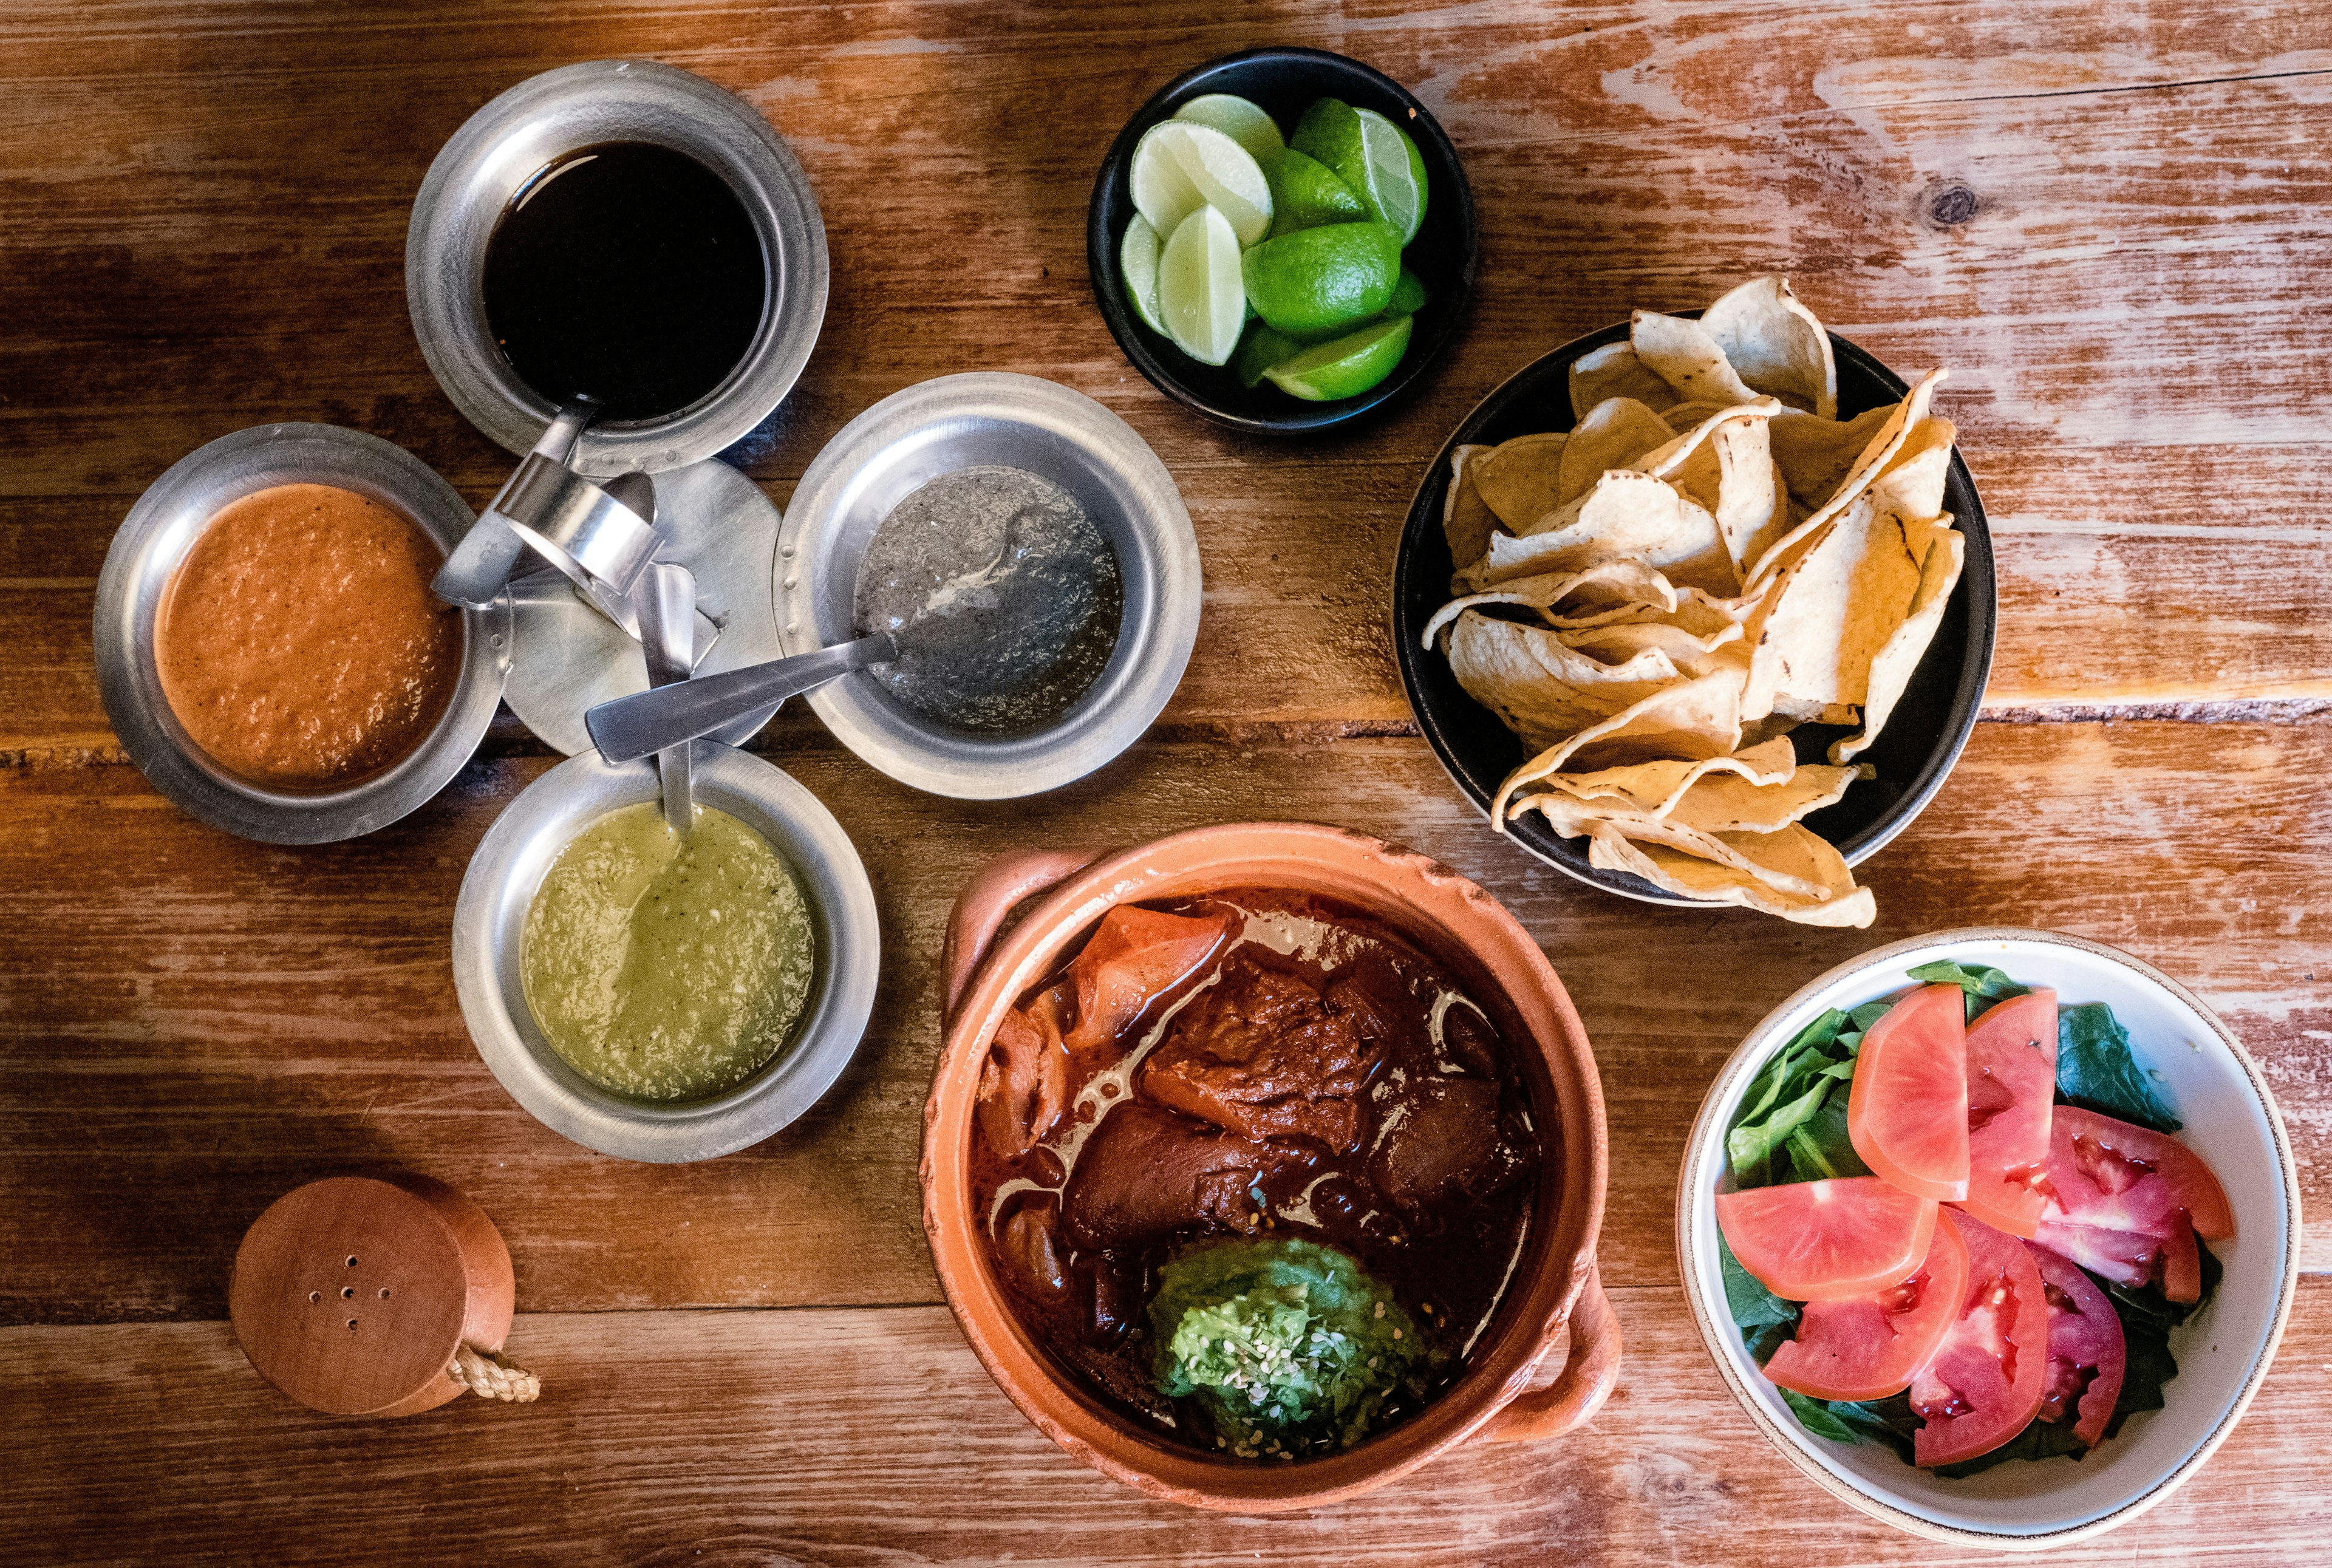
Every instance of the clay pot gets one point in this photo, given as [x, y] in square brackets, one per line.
[1555, 1284]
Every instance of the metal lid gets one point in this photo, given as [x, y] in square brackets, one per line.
[506, 143]
[144, 556]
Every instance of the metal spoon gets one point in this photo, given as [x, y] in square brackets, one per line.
[668, 716]
[482, 562]
[667, 599]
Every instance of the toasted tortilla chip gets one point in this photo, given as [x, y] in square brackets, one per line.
[1911, 485]
[1627, 516]
[1653, 787]
[1692, 718]
[1830, 613]
[1794, 850]
[1882, 451]
[1701, 612]
[1615, 590]
[1614, 371]
[1615, 432]
[1466, 518]
[1616, 642]
[1753, 508]
[1775, 345]
[1576, 818]
[1726, 803]
[1544, 691]
[1891, 667]
[1685, 416]
[1682, 354]
[1689, 461]
[1816, 454]
[1517, 478]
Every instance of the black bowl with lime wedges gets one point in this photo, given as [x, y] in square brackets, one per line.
[1282, 239]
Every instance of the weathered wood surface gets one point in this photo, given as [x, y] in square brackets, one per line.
[866, 1437]
[231, 1018]
[2131, 290]
[2109, 220]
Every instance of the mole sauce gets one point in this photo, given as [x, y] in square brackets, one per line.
[626, 271]
[1310, 1054]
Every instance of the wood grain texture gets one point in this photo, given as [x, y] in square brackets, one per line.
[233, 1019]
[2131, 299]
[874, 1437]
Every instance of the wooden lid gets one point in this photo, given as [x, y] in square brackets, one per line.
[352, 1294]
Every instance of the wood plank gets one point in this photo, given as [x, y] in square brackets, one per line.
[1617, 162]
[866, 1437]
[223, 1020]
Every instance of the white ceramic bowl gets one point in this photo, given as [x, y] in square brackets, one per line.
[2212, 1085]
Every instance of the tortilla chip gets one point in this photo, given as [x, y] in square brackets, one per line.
[1653, 787]
[1615, 432]
[1691, 719]
[1701, 612]
[1753, 508]
[1794, 850]
[1689, 461]
[1882, 451]
[1618, 642]
[1615, 590]
[1682, 354]
[1544, 691]
[1911, 485]
[1891, 667]
[1816, 454]
[1685, 416]
[1517, 478]
[1466, 518]
[1627, 516]
[1614, 371]
[1576, 818]
[1775, 345]
[1830, 613]
[1727, 803]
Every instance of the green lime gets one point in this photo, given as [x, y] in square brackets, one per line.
[1180, 166]
[1371, 155]
[1305, 195]
[1137, 258]
[1244, 122]
[1346, 367]
[1260, 350]
[1408, 295]
[1199, 297]
[1313, 282]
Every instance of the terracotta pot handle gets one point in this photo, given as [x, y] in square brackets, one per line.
[994, 890]
[1588, 1374]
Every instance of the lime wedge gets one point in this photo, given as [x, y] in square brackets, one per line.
[1179, 167]
[1305, 195]
[1201, 297]
[1244, 122]
[1260, 350]
[1370, 154]
[1137, 259]
[1314, 282]
[1408, 295]
[1346, 367]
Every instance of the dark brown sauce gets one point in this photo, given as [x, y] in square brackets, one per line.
[626, 271]
[1386, 1040]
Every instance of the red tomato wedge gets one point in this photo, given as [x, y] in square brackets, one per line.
[1135, 956]
[1986, 1380]
[1873, 1346]
[2012, 1081]
[1908, 1113]
[2087, 1354]
[2127, 1202]
[1827, 1241]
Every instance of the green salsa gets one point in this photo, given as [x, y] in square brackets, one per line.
[663, 968]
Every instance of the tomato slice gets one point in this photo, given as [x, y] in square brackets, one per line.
[1827, 1241]
[2087, 1354]
[1986, 1379]
[1908, 1113]
[1136, 955]
[1873, 1346]
[2012, 1081]
[2127, 1202]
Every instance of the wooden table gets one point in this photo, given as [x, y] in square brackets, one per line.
[2115, 223]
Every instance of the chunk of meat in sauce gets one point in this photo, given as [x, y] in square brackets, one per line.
[1440, 1143]
[1023, 1085]
[1144, 1172]
[1264, 1054]
[1029, 1247]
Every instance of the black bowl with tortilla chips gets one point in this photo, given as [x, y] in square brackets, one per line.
[1912, 756]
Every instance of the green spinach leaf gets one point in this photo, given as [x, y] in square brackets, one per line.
[2097, 1071]
[1983, 986]
[1792, 1091]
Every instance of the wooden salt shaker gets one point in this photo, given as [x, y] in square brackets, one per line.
[376, 1295]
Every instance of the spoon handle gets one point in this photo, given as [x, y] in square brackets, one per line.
[664, 716]
[667, 597]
